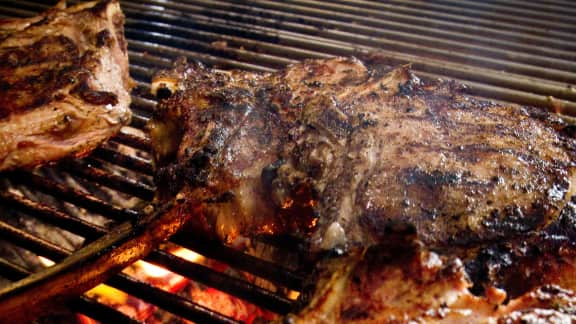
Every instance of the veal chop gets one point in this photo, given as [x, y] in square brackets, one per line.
[334, 151]
[428, 196]
[64, 83]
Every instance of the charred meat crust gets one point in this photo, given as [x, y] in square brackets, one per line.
[526, 262]
[53, 63]
[64, 83]
[25, 91]
[422, 192]
[402, 282]
[351, 149]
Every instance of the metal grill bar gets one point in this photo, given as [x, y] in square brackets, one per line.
[516, 15]
[138, 121]
[99, 312]
[129, 162]
[207, 59]
[453, 20]
[224, 283]
[408, 33]
[457, 70]
[170, 302]
[507, 50]
[32, 243]
[561, 6]
[141, 103]
[88, 170]
[132, 140]
[241, 261]
[175, 304]
[369, 22]
[73, 196]
[120, 183]
[505, 83]
[378, 14]
[52, 216]
[83, 304]
[12, 271]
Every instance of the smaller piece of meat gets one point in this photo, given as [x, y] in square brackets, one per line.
[64, 83]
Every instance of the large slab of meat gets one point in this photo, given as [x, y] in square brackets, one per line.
[64, 83]
[344, 155]
[335, 149]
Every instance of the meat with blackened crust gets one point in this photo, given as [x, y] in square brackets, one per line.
[64, 83]
[403, 282]
[343, 154]
[337, 151]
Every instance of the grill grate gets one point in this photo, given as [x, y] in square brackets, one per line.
[501, 56]
[506, 50]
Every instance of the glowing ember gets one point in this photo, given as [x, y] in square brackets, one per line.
[176, 284]
[293, 294]
[107, 295]
[288, 204]
[129, 305]
[157, 276]
[151, 270]
[313, 223]
[188, 255]
[228, 305]
[82, 319]
[46, 262]
[120, 301]
[267, 229]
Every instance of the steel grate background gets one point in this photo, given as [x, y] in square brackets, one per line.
[507, 50]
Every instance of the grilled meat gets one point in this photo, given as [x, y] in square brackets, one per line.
[377, 165]
[402, 282]
[332, 149]
[64, 83]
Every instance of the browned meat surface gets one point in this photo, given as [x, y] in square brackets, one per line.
[64, 83]
[343, 155]
[406, 283]
[335, 149]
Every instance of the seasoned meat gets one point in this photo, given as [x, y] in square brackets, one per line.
[519, 264]
[64, 83]
[402, 282]
[336, 151]
[434, 207]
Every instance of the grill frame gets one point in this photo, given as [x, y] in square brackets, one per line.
[521, 55]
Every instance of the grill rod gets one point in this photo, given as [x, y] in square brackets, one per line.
[245, 262]
[102, 257]
[82, 304]
[56, 253]
[156, 296]
[75, 197]
[490, 84]
[322, 21]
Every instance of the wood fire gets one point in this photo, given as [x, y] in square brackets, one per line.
[164, 279]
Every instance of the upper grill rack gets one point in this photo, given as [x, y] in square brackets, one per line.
[505, 50]
[502, 52]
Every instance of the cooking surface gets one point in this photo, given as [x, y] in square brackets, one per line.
[503, 50]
